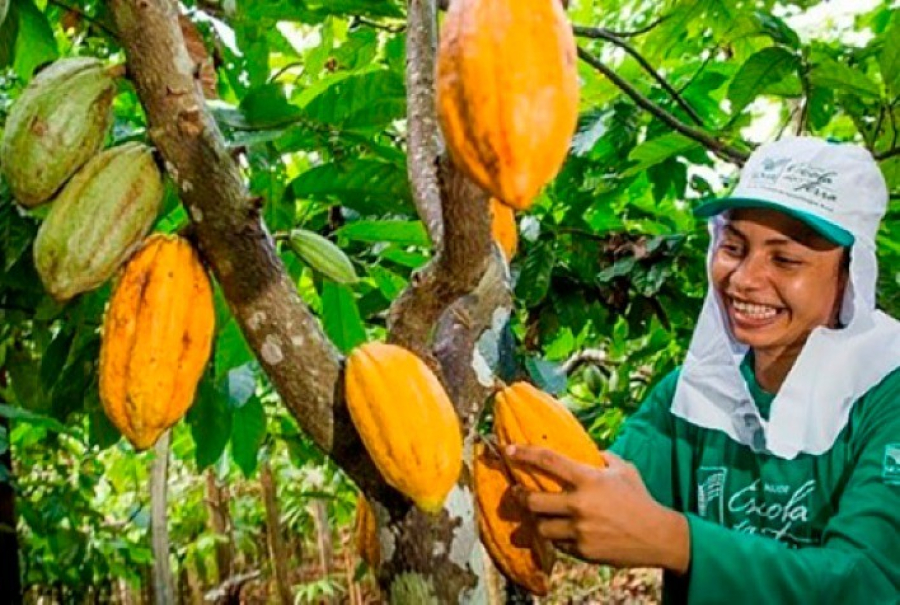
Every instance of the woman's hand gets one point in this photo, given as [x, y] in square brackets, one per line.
[606, 515]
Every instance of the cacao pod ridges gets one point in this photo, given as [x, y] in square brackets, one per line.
[505, 528]
[507, 93]
[526, 415]
[98, 219]
[156, 340]
[406, 422]
[57, 124]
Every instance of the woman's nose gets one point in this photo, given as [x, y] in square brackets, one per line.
[748, 273]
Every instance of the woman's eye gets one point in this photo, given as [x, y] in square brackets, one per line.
[786, 261]
[730, 249]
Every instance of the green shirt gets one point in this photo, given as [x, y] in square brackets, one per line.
[764, 530]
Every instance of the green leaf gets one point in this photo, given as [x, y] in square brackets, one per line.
[658, 150]
[35, 44]
[534, 281]
[247, 433]
[341, 318]
[408, 233]
[829, 73]
[101, 432]
[759, 74]
[9, 31]
[22, 415]
[210, 419]
[54, 358]
[778, 30]
[231, 348]
[24, 372]
[388, 283]
[267, 107]
[889, 60]
[367, 102]
[367, 186]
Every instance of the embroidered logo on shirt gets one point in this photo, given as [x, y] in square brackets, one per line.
[711, 492]
[890, 472]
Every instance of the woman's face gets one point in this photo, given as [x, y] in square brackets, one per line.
[777, 279]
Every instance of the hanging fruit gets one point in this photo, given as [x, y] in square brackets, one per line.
[58, 123]
[507, 93]
[526, 415]
[503, 228]
[98, 219]
[157, 338]
[406, 421]
[505, 529]
[367, 545]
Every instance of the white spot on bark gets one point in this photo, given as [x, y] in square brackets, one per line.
[460, 506]
[196, 213]
[439, 549]
[271, 350]
[187, 187]
[482, 369]
[256, 320]
[479, 593]
[297, 340]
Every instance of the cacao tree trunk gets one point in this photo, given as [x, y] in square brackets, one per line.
[220, 523]
[277, 552]
[163, 583]
[10, 578]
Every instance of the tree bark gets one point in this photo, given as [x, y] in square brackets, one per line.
[277, 552]
[220, 522]
[10, 574]
[163, 583]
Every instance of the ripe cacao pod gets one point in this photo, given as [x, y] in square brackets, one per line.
[98, 219]
[505, 528]
[55, 126]
[507, 93]
[406, 421]
[157, 338]
[503, 228]
[367, 545]
[323, 255]
[526, 415]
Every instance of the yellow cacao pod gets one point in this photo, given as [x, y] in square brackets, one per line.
[406, 421]
[55, 126]
[507, 93]
[157, 337]
[507, 532]
[367, 545]
[503, 228]
[526, 415]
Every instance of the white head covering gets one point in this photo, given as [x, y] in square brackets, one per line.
[838, 190]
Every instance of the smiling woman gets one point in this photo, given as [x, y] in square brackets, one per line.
[778, 280]
[762, 471]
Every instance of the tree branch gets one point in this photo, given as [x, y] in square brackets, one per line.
[599, 33]
[303, 365]
[92, 20]
[424, 135]
[724, 151]
[886, 154]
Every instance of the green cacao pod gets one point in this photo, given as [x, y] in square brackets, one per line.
[322, 255]
[58, 123]
[98, 219]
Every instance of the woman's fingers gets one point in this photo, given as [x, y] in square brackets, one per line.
[553, 463]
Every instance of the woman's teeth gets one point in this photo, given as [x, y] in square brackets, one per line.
[753, 310]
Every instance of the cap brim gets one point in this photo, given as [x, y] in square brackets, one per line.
[830, 231]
